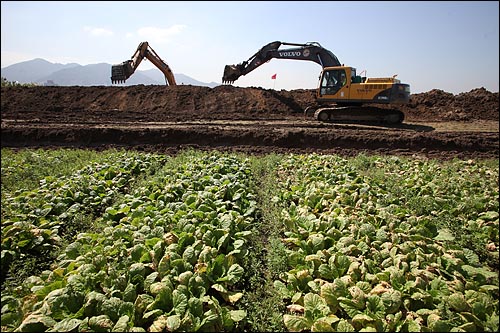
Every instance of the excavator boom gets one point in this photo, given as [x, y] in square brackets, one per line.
[121, 72]
[312, 51]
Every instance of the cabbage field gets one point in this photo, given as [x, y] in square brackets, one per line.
[131, 241]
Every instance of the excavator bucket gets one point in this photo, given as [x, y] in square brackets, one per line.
[119, 73]
[231, 74]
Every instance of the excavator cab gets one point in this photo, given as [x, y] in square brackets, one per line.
[342, 85]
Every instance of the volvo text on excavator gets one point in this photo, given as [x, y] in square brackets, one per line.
[121, 72]
[341, 94]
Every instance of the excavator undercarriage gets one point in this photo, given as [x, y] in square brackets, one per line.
[357, 114]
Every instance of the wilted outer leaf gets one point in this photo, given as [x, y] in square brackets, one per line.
[234, 273]
[142, 301]
[361, 320]
[101, 323]
[157, 287]
[489, 216]
[328, 294]
[296, 308]
[296, 323]
[122, 324]
[444, 234]
[349, 306]
[66, 325]
[237, 315]
[344, 326]
[457, 302]
[392, 300]
[315, 306]
[324, 324]
[173, 322]
[36, 323]
[180, 302]
[413, 326]
[233, 297]
[159, 324]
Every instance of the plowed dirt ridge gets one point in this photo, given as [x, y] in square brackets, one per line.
[255, 120]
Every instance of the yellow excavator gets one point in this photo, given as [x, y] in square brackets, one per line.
[121, 72]
[342, 95]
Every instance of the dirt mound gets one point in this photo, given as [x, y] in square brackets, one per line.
[186, 102]
[226, 117]
[437, 105]
[153, 103]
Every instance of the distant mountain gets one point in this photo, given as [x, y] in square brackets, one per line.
[29, 71]
[158, 76]
[44, 72]
[91, 75]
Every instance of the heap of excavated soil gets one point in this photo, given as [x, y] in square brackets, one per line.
[186, 102]
[253, 120]
[477, 104]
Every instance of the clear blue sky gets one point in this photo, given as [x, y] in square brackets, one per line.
[448, 45]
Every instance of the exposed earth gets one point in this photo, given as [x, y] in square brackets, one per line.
[254, 120]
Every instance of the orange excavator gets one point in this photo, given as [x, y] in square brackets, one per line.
[342, 94]
[121, 72]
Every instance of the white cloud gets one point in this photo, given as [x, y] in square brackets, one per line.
[98, 31]
[159, 35]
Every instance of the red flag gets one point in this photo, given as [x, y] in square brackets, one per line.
[273, 77]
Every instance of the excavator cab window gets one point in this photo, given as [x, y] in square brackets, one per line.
[332, 81]
[327, 83]
[342, 78]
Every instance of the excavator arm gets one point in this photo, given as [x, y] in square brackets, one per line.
[310, 51]
[121, 72]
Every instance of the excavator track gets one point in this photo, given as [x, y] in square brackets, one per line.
[359, 114]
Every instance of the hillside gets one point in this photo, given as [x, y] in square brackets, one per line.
[44, 72]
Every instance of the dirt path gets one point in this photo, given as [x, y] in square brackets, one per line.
[448, 141]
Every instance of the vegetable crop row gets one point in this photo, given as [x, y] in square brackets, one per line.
[366, 254]
[167, 258]
[34, 222]
[146, 242]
